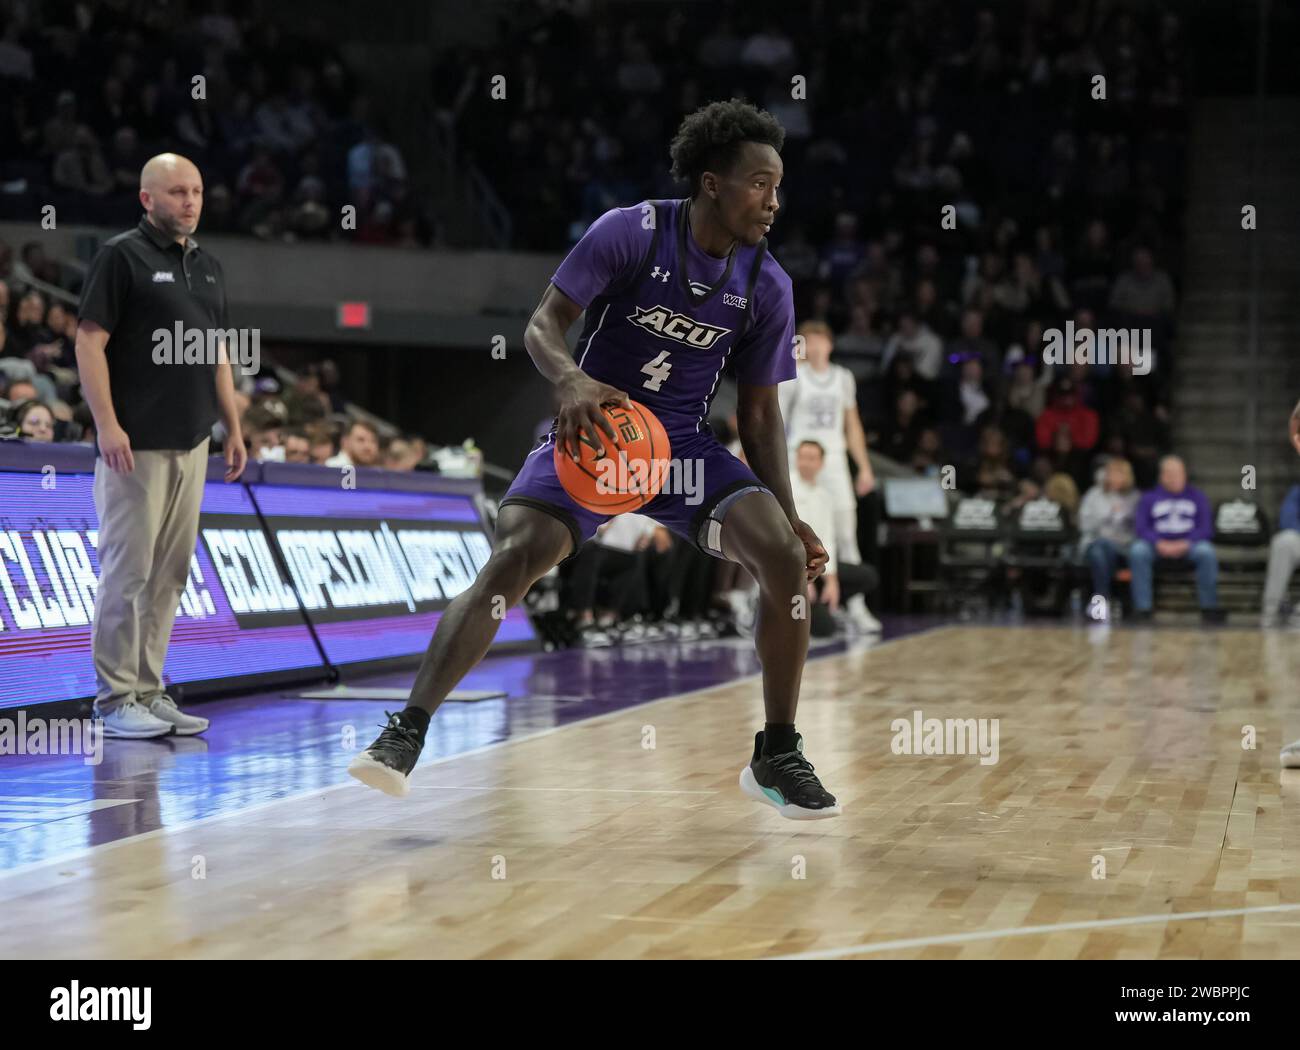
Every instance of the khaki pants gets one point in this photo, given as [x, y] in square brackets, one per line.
[148, 524]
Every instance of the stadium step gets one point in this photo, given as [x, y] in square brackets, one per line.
[1226, 389]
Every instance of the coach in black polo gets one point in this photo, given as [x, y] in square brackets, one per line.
[154, 408]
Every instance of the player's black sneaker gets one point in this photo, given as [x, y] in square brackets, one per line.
[788, 783]
[387, 763]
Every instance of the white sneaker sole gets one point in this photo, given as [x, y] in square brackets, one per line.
[112, 733]
[379, 776]
[192, 732]
[1291, 756]
[751, 787]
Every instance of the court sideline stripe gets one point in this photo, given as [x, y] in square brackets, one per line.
[1027, 931]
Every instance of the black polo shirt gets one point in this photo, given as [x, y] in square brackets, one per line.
[142, 281]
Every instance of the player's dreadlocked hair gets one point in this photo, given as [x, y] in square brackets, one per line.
[710, 138]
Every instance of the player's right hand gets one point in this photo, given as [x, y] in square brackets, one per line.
[581, 399]
[813, 547]
[115, 447]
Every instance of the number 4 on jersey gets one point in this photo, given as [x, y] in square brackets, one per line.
[657, 370]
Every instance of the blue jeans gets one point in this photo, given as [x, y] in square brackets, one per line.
[1103, 557]
[1142, 558]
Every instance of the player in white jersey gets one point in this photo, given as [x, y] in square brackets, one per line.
[821, 404]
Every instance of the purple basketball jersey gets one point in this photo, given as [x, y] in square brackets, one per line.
[664, 318]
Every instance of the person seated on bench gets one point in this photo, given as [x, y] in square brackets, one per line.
[1174, 521]
[1106, 523]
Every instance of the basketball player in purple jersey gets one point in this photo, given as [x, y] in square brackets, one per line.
[673, 291]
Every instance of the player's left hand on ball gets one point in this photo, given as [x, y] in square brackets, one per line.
[813, 546]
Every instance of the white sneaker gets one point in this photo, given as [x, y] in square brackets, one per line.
[593, 637]
[744, 610]
[861, 616]
[164, 708]
[1291, 756]
[130, 721]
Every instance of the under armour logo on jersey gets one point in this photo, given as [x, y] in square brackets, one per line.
[164, 275]
[663, 276]
[209, 278]
[668, 324]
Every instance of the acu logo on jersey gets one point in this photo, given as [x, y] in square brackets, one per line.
[668, 324]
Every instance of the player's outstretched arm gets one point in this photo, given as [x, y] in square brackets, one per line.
[1295, 427]
[580, 395]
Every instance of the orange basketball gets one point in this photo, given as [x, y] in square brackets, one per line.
[631, 472]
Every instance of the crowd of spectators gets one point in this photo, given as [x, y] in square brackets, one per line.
[1065, 207]
[274, 119]
[306, 421]
[906, 104]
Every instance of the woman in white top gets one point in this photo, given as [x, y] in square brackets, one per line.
[1106, 523]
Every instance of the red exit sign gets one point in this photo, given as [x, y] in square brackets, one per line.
[354, 315]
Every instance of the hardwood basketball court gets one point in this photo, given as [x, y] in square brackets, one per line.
[582, 841]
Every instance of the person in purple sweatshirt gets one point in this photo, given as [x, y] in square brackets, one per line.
[1174, 521]
[674, 292]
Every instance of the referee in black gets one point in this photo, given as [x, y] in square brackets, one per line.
[153, 418]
